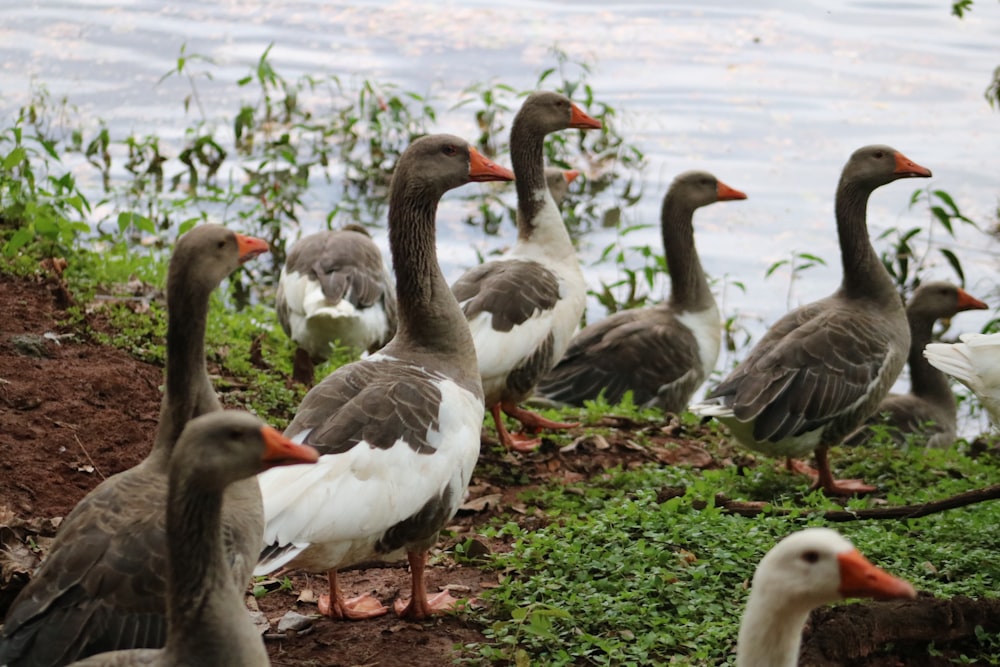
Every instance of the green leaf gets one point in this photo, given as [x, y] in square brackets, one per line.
[955, 264]
[14, 158]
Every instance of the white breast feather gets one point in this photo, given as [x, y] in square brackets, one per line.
[706, 327]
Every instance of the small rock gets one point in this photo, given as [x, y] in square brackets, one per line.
[294, 621]
[30, 345]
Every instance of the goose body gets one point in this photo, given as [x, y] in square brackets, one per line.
[661, 354]
[398, 432]
[803, 571]
[335, 288]
[822, 369]
[928, 411]
[101, 586]
[524, 306]
[975, 362]
[207, 620]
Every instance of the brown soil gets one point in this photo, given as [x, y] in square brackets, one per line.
[73, 412]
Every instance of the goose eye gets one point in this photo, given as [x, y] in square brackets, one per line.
[449, 150]
[879, 155]
[810, 556]
[221, 244]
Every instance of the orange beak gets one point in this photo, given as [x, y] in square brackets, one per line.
[859, 578]
[280, 451]
[726, 193]
[907, 168]
[968, 302]
[570, 175]
[579, 119]
[483, 169]
[250, 247]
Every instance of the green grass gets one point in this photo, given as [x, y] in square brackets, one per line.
[619, 578]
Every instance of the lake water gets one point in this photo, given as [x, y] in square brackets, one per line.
[770, 96]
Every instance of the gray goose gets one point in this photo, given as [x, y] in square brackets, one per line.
[807, 569]
[929, 410]
[334, 288]
[558, 181]
[664, 353]
[524, 306]
[207, 621]
[822, 369]
[116, 533]
[398, 432]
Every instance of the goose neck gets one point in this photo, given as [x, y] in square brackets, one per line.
[864, 274]
[925, 380]
[188, 390]
[206, 621]
[429, 316]
[689, 290]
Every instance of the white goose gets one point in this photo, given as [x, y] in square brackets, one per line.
[975, 362]
[803, 571]
[524, 307]
[398, 432]
[334, 287]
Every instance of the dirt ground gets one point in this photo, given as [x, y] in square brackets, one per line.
[73, 412]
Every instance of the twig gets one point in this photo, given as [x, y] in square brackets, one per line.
[82, 448]
[901, 512]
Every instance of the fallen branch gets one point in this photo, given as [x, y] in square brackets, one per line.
[849, 634]
[751, 509]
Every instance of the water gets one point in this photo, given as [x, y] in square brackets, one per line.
[770, 96]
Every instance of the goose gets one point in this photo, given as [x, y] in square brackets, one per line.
[207, 622]
[101, 586]
[334, 287]
[558, 180]
[975, 362]
[664, 353]
[822, 369]
[929, 410]
[398, 431]
[805, 570]
[524, 306]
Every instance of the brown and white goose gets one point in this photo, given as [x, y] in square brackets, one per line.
[101, 586]
[822, 369]
[803, 571]
[524, 306]
[207, 622]
[335, 288]
[664, 353]
[929, 410]
[398, 432]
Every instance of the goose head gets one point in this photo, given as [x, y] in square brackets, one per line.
[548, 111]
[874, 166]
[222, 447]
[208, 253]
[817, 566]
[941, 300]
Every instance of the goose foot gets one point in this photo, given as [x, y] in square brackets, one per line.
[436, 604]
[420, 606]
[835, 487]
[800, 467]
[844, 487]
[532, 420]
[354, 609]
[517, 442]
